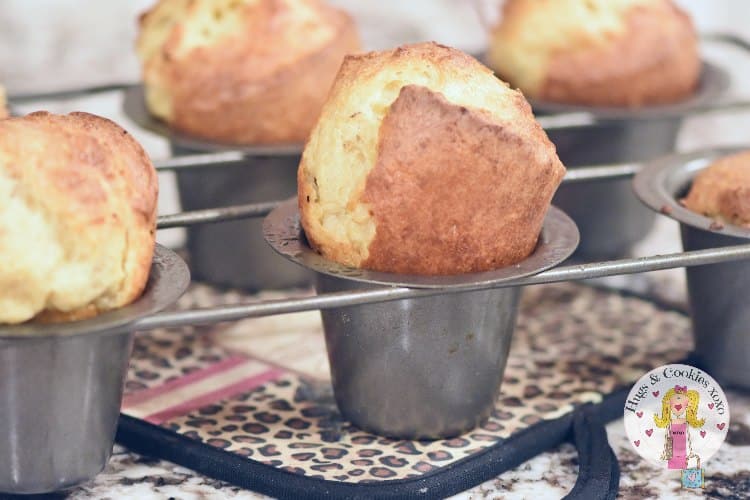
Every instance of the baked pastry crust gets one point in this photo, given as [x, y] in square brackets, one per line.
[623, 53]
[722, 191]
[423, 163]
[78, 217]
[242, 71]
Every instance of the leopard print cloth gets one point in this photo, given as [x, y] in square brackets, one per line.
[573, 344]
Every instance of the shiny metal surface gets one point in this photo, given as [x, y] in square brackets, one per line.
[557, 241]
[199, 160]
[214, 215]
[233, 253]
[61, 388]
[719, 309]
[608, 215]
[718, 293]
[420, 368]
[230, 253]
[59, 405]
[619, 136]
[387, 294]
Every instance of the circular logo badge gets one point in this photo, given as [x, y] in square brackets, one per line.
[676, 417]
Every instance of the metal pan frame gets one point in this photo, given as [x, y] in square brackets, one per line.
[557, 241]
[390, 293]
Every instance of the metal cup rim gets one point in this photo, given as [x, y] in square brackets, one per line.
[662, 183]
[168, 279]
[134, 107]
[558, 240]
[714, 83]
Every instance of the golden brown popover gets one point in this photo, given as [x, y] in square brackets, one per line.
[624, 53]
[424, 162]
[722, 191]
[242, 71]
[77, 217]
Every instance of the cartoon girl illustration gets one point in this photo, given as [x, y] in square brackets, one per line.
[679, 408]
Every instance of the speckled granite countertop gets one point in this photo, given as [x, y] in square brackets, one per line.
[549, 475]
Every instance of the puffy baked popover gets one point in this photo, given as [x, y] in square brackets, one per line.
[424, 162]
[622, 53]
[722, 191]
[242, 71]
[77, 217]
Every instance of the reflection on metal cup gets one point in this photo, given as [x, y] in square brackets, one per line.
[234, 253]
[421, 368]
[59, 405]
[609, 216]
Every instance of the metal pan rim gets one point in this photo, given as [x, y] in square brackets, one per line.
[168, 280]
[714, 83]
[134, 107]
[558, 240]
[661, 184]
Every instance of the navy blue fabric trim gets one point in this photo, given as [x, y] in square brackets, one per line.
[152, 440]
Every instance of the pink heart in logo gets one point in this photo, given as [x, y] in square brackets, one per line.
[678, 407]
[703, 434]
[721, 426]
[637, 442]
[649, 432]
[656, 394]
[710, 406]
[639, 413]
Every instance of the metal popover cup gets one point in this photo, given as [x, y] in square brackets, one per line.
[718, 293]
[618, 135]
[61, 388]
[427, 367]
[230, 253]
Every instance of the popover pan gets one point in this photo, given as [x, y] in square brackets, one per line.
[420, 368]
